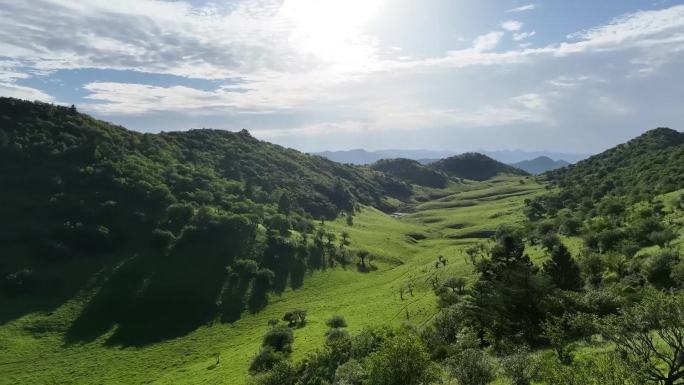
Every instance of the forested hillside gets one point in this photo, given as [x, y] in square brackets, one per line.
[412, 171]
[189, 245]
[166, 213]
[474, 166]
[648, 165]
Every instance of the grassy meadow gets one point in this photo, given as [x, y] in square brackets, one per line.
[404, 248]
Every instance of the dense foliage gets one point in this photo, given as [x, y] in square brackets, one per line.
[412, 172]
[174, 220]
[638, 170]
[474, 166]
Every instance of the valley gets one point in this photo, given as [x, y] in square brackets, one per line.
[211, 257]
[34, 351]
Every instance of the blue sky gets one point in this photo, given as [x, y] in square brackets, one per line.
[572, 76]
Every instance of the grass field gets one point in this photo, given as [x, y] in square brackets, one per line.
[33, 351]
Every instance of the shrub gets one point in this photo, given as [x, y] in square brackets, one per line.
[336, 321]
[265, 360]
[295, 317]
[336, 334]
[471, 367]
[401, 359]
[280, 338]
[519, 366]
[350, 373]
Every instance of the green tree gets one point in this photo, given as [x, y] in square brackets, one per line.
[400, 360]
[562, 269]
[350, 373]
[336, 321]
[265, 360]
[363, 255]
[280, 338]
[650, 337]
[508, 296]
[520, 366]
[456, 284]
[284, 204]
[295, 317]
[472, 367]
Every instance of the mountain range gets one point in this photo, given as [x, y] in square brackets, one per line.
[540, 165]
[362, 157]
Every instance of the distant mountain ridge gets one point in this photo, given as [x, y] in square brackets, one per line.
[364, 157]
[540, 165]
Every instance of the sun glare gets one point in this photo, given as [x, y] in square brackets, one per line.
[332, 29]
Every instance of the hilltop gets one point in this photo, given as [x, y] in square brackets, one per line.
[540, 165]
[648, 165]
[474, 166]
[412, 171]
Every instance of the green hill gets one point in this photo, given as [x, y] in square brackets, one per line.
[412, 172]
[157, 218]
[648, 165]
[474, 166]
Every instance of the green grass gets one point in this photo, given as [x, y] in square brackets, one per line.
[32, 350]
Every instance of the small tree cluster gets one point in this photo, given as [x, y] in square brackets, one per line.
[295, 317]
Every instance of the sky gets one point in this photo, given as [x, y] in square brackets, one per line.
[572, 76]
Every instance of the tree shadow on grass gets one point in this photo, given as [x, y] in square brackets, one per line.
[159, 296]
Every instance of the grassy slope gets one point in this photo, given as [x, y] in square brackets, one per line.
[32, 350]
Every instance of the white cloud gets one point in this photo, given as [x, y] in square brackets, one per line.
[20, 92]
[276, 64]
[523, 8]
[487, 42]
[572, 81]
[525, 108]
[523, 35]
[512, 25]
[643, 29]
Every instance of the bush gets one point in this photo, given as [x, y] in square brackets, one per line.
[472, 367]
[350, 373]
[336, 321]
[295, 317]
[280, 338]
[659, 270]
[401, 359]
[265, 360]
[336, 334]
[281, 373]
[162, 239]
[519, 366]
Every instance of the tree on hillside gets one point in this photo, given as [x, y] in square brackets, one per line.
[470, 365]
[284, 204]
[280, 338]
[295, 317]
[519, 366]
[400, 360]
[363, 254]
[456, 284]
[508, 294]
[336, 321]
[344, 240]
[650, 337]
[562, 269]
